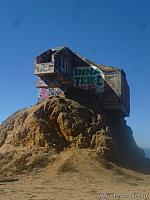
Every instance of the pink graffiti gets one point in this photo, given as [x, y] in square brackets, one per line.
[91, 87]
[43, 93]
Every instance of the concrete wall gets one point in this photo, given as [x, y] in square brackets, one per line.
[117, 93]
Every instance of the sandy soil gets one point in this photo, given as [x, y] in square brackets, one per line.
[75, 175]
[68, 187]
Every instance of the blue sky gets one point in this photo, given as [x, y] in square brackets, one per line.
[111, 32]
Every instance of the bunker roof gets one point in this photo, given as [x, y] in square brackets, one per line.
[105, 68]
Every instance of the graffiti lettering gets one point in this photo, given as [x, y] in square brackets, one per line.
[44, 93]
[55, 91]
[88, 78]
[46, 67]
[86, 71]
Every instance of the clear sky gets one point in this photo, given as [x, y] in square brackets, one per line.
[111, 32]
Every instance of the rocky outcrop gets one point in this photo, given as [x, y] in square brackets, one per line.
[59, 123]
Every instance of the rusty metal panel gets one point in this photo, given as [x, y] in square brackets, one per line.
[47, 81]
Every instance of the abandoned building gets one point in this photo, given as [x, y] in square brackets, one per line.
[59, 69]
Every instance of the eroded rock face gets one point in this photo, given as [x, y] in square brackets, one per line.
[59, 123]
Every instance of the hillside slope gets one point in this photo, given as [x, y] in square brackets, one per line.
[34, 137]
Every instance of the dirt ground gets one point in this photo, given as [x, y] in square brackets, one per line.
[76, 176]
[69, 187]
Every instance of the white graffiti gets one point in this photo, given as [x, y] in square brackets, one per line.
[44, 68]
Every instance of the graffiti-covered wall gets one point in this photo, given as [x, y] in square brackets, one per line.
[59, 69]
[44, 93]
[44, 68]
[90, 78]
[48, 82]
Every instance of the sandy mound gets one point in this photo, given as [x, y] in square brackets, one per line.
[32, 138]
[76, 174]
